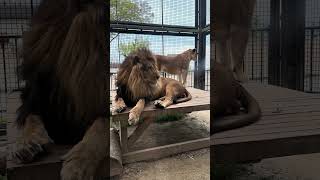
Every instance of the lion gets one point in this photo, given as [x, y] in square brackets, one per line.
[231, 22]
[138, 82]
[178, 65]
[63, 101]
[227, 98]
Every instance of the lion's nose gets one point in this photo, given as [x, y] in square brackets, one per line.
[158, 76]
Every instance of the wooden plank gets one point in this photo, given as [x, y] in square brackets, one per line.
[164, 151]
[200, 101]
[257, 150]
[290, 125]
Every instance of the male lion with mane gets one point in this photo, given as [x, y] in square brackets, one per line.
[138, 81]
[63, 100]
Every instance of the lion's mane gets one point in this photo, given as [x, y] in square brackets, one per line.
[137, 77]
[63, 67]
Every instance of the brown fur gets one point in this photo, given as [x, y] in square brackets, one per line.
[178, 65]
[138, 81]
[64, 96]
[231, 22]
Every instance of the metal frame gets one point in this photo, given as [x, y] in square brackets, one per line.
[199, 31]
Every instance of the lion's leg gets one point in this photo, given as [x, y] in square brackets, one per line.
[239, 41]
[184, 77]
[135, 112]
[240, 28]
[82, 161]
[222, 36]
[165, 103]
[180, 76]
[171, 93]
[120, 105]
[33, 140]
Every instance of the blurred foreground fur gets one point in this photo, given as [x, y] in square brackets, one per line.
[63, 101]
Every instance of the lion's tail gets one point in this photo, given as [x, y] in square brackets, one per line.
[185, 99]
[236, 121]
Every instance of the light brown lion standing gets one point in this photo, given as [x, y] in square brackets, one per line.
[178, 65]
[138, 81]
[231, 25]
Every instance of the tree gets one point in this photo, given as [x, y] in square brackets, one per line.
[130, 10]
[126, 49]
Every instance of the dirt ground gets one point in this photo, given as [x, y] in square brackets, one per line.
[195, 165]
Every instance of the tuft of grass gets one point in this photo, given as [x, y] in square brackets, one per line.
[169, 118]
[2, 120]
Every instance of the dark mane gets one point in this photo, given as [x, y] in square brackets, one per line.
[132, 77]
[63, 67]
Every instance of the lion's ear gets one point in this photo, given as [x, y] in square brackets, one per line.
[136, 60]
[194, 50]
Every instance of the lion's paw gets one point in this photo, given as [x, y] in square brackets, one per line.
[119, 109]
[78, 164]
[133, 118]
[159, 104]
[25, 151]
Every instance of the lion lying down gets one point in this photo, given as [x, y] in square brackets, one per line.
[138, 81]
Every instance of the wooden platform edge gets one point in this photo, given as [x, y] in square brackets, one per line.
[166, 150]
[253, 151]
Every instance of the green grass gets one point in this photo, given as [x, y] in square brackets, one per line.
[169, 118]
[2, 120]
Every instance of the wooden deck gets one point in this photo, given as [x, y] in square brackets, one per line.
[200, 101]
[290, 125]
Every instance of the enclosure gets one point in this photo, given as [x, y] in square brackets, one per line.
[283, 49]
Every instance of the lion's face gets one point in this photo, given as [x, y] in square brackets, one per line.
[192, 54]
[144, 68]
[139, 73]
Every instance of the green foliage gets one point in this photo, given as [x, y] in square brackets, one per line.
[169, 118]
[130, 10]
[2, 120]
[126, 48]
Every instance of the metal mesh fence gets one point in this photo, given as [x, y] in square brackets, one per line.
[312, 47]
[15, 16]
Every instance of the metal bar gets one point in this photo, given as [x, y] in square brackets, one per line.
[200, 75]
[252, 56]
[274, 55]
[17, 61]
[4, 67]
[136, 25]
[169, 33]
[311, 59]
[261, 55]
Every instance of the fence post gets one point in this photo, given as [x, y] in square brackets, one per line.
[274, 44]
[3, 41]
[292, 44]
[200, 74]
